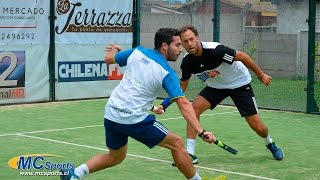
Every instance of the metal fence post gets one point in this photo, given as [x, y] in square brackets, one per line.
[216, 21]
[136, 23]
[311, 56]
[51, 58]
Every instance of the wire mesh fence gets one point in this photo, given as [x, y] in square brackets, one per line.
[273, 33]
[316, 91]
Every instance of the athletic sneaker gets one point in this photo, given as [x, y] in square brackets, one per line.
[68, 174]
[276, 151]
[193, 158]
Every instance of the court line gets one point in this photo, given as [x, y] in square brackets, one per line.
[81, 127]
[212, 114]
[50, 130]
[145, 157]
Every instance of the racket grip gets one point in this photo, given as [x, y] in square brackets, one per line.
[154, 108]
[219, 143]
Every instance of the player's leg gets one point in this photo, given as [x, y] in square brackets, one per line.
[151, 133]
[258, 126]
[96, 163]
[101, 161]
[261, 129]
[116, 141]
[208, 98]
[106, 160]
[180, 155]
[244, 99]
[200, 104]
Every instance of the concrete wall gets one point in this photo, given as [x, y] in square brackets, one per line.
[302, 53]
[276, 54]
[281, 55]
[292, 16]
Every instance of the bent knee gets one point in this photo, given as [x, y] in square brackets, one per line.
[117, 158]
[177, 143]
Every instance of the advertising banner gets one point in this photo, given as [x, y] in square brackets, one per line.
[93, 21]
[82, 31]
[24, 74]
[24, 22]
[82, 73]
[12, 74]
[24, 47]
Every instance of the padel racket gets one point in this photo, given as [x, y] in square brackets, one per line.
[225, 147]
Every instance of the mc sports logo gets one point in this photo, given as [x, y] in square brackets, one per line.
[38, 162]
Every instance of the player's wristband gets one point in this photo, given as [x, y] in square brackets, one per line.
[261, 76]
[166, 103]
[201, 134]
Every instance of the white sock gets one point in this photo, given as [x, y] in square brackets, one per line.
[196, 177]
[191, 145]
[82, 171]
[268, 139]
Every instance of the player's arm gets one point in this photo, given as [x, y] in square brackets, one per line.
[167, 102]
[184, 85]
[111, 50]
[249, 63]
[189, 115]
[115, 56]
[184, 81]
[186, 73]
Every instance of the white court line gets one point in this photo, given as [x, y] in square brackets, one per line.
[144, 157]
[200, 115]
[49, 130]
[81, 127]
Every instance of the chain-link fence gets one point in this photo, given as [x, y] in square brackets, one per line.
[314, 61]
[273, 33]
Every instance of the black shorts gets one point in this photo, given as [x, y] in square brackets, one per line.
[243, 98]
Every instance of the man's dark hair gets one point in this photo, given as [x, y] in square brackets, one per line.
[186, 28]
[164, 35]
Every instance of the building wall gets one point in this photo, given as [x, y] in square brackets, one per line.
[230, 24]
[292, 16]
[253, 18]
[277, 54]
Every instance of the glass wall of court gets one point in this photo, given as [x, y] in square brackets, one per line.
[282, 37]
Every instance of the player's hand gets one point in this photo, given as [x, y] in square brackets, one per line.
[208, 137]
[158, 109]
[266, 79]
[112, 46]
